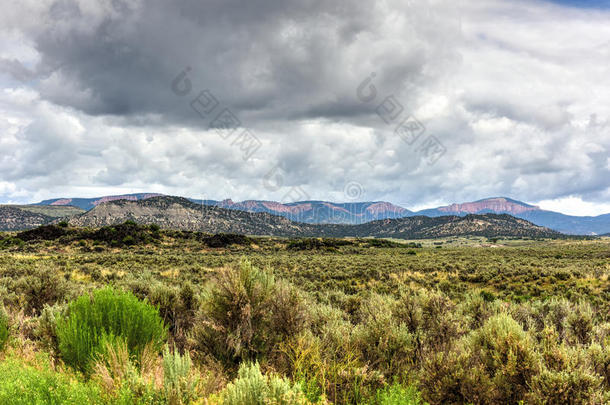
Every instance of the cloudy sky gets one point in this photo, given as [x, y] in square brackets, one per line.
[420, 103]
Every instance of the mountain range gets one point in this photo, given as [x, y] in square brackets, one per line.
[354, 213]
[181, 213]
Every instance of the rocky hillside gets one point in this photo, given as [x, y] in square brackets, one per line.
[19, 217]
[13, 218]
[489, 225]
[180, 213]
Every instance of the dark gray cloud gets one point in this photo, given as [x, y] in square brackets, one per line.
[515, 92]
[273, 60]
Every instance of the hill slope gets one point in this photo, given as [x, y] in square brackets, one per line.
[180, 213]
[19, 217]
[488, 225]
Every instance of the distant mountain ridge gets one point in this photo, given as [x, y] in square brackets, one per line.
[495, 204]
[89, 203]
[319, 212]
[568, 224]
[181, 213]
[324, 212]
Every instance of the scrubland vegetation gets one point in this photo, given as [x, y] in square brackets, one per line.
[138, 315]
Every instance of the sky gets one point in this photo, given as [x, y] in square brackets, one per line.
[420, 103]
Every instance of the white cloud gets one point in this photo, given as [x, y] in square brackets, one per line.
[575, 206]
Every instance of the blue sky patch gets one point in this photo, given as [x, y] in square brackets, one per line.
[584, 3]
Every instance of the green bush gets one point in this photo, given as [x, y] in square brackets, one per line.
[441, 377]
[251, 387]
[245, 313]
[599, 358]
[397, 394]
[580, 324]
[26, 385]
[3, 328]
[235, 314]
[564, 387]
[41, 287]
[499, 362]
[107, 315]
[45, 329]
[179, 382]
[382, 341]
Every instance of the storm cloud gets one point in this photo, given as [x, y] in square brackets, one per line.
[492, 98]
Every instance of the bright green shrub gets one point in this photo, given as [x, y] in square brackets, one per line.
[397, 394]
[251, 387]
[105, 315]
[26, 385]
[4, 328]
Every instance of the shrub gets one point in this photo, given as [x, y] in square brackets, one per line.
[11, 241]
[179, 381]
[4, 328]
[576, 386]
[441, 377]
[431, 316]
[245, 313]
[396, 394]
[251, 387]
[499, 362]
[44, 232]
[25, 385]
[383, 342]
[124, 378]
[107, 314]
[327, 364]
[289, 315]
[41, 287]
[46, 327]
[222, 240]
[236, 314]
[580, 324]
[317, 243]
[599, 357]
[476, 309]
[127, 233]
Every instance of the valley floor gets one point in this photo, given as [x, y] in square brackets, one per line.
[459, 320]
